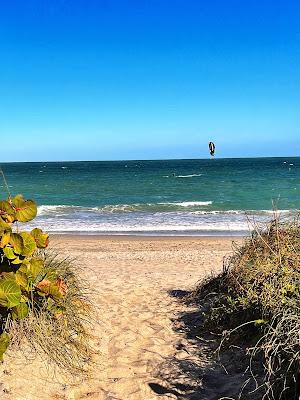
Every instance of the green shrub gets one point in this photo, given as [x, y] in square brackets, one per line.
[257, 299]
[41, 297]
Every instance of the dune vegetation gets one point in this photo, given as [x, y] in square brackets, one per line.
[42, 300]
[255, 301]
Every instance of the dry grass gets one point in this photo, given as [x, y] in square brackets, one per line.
[256, 300]
[64, 336]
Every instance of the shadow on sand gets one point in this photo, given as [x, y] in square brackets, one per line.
[197, 372]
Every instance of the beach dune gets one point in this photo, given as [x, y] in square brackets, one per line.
[132, 278]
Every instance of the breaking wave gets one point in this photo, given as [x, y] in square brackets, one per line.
[188, 176]
[181, 218]
[123, 208]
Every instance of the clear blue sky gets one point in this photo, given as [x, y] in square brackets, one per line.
[117, 79]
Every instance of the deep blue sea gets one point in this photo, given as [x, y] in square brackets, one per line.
[167, 197]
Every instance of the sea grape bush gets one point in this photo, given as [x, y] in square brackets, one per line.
[25, 284]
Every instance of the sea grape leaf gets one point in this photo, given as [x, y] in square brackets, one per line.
[29, 244]
[44, 285]
[49, 288]
[26, 263]
[25, 298]
[10, 293]
[55, 292]
[259, 322]
[17, 261]
[16, 241]
[62, 286]
[9, 253]
[8, 275]
[25, 210]
[4, 343]
[4, 225]
[25, 269]
[5, 206]
[20, 312]
[35, 267]
[5, 238]
[51, 274]
[21, 279]
[41, 238]
[7, 212]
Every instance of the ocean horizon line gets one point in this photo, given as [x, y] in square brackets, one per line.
[150, 159]
[157, 195]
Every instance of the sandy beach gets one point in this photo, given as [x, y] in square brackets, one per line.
[134, 335]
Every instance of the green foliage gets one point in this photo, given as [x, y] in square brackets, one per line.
[58, 325]
[20, 311]
[42, 300]
[10, 293]
[23, 287]
[256, 299]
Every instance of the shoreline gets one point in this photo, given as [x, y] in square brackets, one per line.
[97, 236]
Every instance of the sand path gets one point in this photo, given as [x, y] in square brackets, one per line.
[134, 333]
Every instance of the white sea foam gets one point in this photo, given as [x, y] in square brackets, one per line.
[276, 212]
[152, 207]
[118, 208]
[217, 212]
[56, 209]
[193, 203]
[187, 176]
[159, 226]
[64, 218]
[148, 206]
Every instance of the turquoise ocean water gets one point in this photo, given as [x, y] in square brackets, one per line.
[173, 197]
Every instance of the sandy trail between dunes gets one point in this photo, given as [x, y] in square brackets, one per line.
[132, 277]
